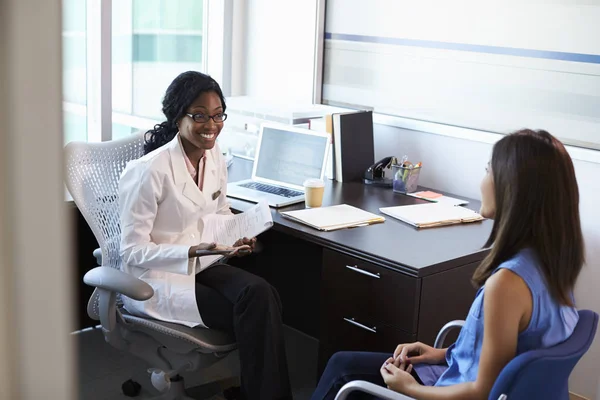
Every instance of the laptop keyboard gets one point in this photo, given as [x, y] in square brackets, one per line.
[261, 187]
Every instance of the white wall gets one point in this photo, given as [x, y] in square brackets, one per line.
[441, 155]
[422, 76]
[279, 49]
[276, 61]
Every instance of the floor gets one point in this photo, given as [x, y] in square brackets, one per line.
[102, 369]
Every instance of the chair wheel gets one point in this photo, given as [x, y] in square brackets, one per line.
[131, 388]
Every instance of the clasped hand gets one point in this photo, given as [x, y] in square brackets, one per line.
[396, 370]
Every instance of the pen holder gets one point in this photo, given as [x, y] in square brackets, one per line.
[405, 179]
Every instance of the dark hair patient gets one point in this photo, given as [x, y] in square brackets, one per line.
[180, 94]
[537, 206]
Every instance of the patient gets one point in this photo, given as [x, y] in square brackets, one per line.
[525, 298]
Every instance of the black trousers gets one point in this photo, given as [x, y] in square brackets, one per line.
[234, 300]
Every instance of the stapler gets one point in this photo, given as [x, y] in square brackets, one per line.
[375, 174]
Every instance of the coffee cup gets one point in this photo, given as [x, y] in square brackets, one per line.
[313, 192]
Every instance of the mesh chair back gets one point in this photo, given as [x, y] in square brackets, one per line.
[92, 174]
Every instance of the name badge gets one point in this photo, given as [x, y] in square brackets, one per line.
[216, 194]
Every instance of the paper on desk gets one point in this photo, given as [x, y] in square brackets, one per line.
[228, 229]
[451, 201]
[333, 217]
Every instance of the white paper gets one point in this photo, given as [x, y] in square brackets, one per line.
[228, 229]
[451, 201]
[432, 213]
[333, 217]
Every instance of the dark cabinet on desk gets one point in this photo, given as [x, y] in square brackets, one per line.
[372, 308]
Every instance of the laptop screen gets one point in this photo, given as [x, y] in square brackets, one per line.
[290, 157]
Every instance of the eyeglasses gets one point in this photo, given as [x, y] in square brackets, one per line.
[203, 118]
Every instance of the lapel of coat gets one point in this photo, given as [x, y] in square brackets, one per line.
[211, 181]
[181, 176]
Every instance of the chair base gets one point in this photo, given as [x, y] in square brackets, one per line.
[176, 391]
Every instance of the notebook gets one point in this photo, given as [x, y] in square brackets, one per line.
[333, 217]
[353, 145]
[431, 215]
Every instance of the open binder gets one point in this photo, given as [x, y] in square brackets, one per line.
[432, 215]
[333, 217]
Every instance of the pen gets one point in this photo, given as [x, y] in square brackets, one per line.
[200, 253]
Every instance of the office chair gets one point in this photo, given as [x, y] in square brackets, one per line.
[536, 374]
[92, 177]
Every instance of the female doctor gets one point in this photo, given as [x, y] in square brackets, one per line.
[163, 197]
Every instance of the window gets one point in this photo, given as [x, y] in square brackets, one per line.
[151, 42]
[74, 70]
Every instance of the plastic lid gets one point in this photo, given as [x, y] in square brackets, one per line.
[313, 182]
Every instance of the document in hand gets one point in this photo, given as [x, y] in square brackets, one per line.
[333, 217]
[227, 229]
[431, 215]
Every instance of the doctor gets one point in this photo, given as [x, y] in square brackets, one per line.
[163, 197]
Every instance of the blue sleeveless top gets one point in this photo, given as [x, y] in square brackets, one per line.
[551, 323]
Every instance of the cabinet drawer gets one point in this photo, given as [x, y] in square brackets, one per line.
[361, 290]
[347, 334]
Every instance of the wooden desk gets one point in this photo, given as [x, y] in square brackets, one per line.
[367, 288]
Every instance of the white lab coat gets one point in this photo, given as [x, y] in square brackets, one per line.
[161, 208]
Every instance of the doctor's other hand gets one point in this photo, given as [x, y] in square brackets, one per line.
[417, 353]
[202, 246]
[246, 242]
[235, 250]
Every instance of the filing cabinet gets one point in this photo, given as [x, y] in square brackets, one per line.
[368, 307]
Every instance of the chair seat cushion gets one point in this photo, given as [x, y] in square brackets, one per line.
[206, 340]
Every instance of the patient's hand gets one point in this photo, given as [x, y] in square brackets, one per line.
[397, 378]
[417, 353]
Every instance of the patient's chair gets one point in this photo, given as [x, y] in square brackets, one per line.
[92, 177]
[538, 374]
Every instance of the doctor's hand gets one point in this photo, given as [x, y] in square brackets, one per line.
[202, 246]
[236, 250]
[251, 243]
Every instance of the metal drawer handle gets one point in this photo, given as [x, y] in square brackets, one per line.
[360, 271]
[353, 322]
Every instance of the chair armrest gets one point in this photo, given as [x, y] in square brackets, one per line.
[441, 337]
[98, 254]
[371, 388]
[118, 281]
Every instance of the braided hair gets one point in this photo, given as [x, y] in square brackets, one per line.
[179, 96]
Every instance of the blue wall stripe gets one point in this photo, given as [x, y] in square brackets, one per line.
[476, 48]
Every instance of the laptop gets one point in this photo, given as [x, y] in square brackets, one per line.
[285, 157]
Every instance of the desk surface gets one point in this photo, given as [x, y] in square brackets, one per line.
[392, 244]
